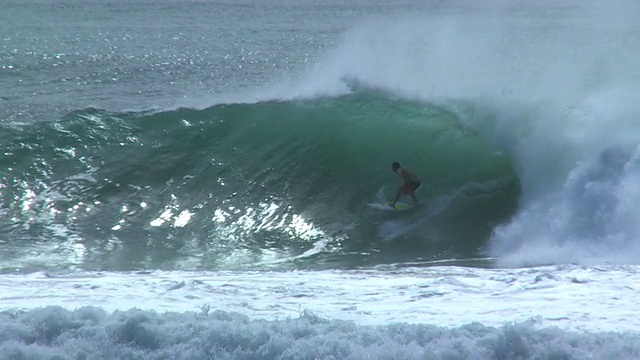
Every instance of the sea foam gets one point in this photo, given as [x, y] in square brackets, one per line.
[91, 333]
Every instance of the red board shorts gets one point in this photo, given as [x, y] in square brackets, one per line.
[409, 188]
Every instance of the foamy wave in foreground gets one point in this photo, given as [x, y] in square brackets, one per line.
[89, 332]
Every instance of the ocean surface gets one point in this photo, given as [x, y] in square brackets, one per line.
[203, 179]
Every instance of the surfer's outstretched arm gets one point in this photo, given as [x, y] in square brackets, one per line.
[395, 200]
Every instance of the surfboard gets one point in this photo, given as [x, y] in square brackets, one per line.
[382, 203]
[386, 207]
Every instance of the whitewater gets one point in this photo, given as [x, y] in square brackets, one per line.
[191, 180]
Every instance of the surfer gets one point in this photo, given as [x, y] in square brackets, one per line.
[410, 183]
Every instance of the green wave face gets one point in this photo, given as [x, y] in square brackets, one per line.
[268, 184]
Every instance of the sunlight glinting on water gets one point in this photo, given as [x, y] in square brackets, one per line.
[164, 217]
[269, 216]
[168, 215]
[265, 216]
[183, 218]
[28, 198]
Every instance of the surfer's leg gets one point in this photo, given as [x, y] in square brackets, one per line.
[414, 187]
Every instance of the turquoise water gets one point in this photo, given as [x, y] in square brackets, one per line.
[251, 182]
